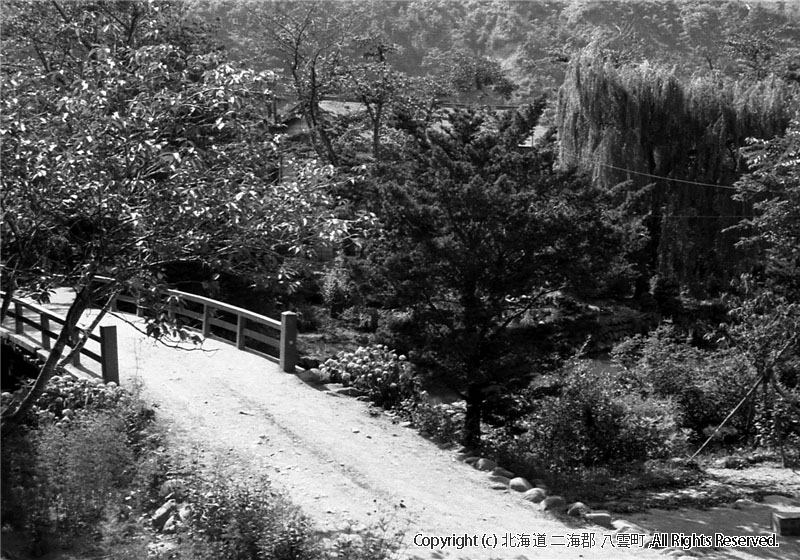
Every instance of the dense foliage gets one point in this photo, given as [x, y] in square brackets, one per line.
[476, 232]
[678, 144]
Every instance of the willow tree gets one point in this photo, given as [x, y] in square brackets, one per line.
[678, 143]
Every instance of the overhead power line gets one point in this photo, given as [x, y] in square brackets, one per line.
[666, 178]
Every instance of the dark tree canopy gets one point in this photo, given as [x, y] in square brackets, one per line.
[477, 231]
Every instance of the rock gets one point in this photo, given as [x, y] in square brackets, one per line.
[162, 514]
[349, 392]
[172, 524]
[744, 503]
[519, 484]
[171, 488]
[161, 549]
[484, 464]
[578, 509]
[504, 480]
[623, 526]
[539, 483]
[553, 503]
[471, 460]
[601, 518]
[406, 424]
[730, 463]
[778, 500]
[500, 471]
[534, 495]
[185, 512]
[465, 456]
[312, 375]
[499, 486]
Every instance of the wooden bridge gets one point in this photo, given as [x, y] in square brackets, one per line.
[33, 326]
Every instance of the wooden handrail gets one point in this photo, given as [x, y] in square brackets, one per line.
[107, 357]
[286, 343]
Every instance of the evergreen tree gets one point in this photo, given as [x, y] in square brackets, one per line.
[477, 231]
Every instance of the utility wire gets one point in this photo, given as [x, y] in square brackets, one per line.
[666, 178]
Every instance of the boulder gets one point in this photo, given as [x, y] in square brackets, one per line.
[578, 509]
[312, 375]
[172, 524]
[484, 464]
[471, 460]
[348, 391]
[171, 488]
[161, 515]
[780, 501]
[553, 503]
[622, 526]
[500, 471]
[601, 518]
[185, 512]
[534, 495]
[500, 480]
[519, 484]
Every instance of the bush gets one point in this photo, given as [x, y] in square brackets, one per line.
[705, 385]
[596, 420]
[385, 377]
[80, 466]
[243, 523]
[442, 422]
[76, 454]
[338, 292]
[237, 522]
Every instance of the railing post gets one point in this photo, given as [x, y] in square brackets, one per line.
[45, 322]
[206, 320]
[115, 303]
[108, 353]
[19, 326]
[288, 349]
[240, 321]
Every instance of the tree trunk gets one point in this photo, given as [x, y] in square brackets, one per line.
[85, 333]
[12, 418]
[474, 413]
[376, 133]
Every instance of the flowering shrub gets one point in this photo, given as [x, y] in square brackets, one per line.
[384, 376]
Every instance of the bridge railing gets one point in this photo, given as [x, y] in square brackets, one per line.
[239, 329]
[43, 321]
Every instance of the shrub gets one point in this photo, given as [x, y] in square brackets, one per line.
[705, 385]
[253, 522]
[338, 292]
[596, 420]
[441, 422]
[385, 377]
[60, 477]
[77, 452]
